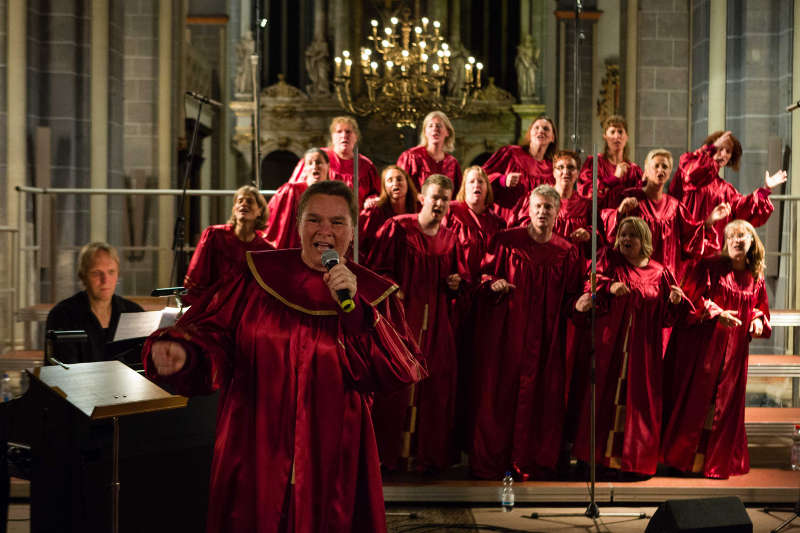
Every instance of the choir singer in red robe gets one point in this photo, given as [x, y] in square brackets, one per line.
[344, 136]
[677, 236]
[637, 297]
[295, 449]
[282, 227]
[698, 185]
[398, 197]
[514, 171]
[415, 427]
[706, 362]
[432, 156]
[615, 171]
[220, 254]
[532, 279]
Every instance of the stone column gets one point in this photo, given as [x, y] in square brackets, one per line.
[631, 63]
[317, 57]
[98, 90]
[716, 64]
[15, 128]
[166, 204]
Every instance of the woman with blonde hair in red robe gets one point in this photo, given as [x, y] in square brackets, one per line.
[282, 227]
[437, 138]
[636, 297]
[220, 253]
[706, 361]
[295, 449]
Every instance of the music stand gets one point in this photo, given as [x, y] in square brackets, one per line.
[101, 391]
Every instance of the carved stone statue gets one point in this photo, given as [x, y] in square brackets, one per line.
[455, 77]
[318, 68]
[526, 63]
[243, 83]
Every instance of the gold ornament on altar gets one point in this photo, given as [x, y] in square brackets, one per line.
[405, 72]
[609, 101]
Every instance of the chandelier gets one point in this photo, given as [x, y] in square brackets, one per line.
[405, 70]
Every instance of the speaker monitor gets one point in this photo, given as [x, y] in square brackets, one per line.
[701, 515]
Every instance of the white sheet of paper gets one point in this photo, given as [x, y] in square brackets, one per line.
[137, 325]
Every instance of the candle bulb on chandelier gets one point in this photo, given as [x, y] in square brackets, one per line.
[424, 62]
[436, 26]
[374, 24]
[394, 21]
[468, 73]
[347, 64]
[478, 75]
[338, 61]
[374, 67]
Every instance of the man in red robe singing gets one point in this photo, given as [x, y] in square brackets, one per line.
[415, 427]
[532, 277]
[295, 449]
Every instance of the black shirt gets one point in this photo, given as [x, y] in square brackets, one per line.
[75, 313]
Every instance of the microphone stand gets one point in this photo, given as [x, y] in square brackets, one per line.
[358, 201]
[592, 511]
[179, 233]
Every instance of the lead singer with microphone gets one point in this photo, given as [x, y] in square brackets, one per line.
[295, 448]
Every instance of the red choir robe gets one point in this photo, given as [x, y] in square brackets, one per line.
[295, 449]
[219, 256]
[698, 185]
[424, 414]
[676, 234]
[629, 354]
[369, 183]
[282, 227]
[575, 212]
[474, 233]
[370, 221]
[518, 403]
[514, 158]
[610, 187]
[419, 164]
[706, 376]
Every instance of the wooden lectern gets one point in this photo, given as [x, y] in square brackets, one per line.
[75, 438]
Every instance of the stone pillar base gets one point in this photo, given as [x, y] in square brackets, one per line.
[526, 113]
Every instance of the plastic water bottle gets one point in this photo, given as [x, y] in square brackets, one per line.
[507, 499]
[796, 448]
[5, 388]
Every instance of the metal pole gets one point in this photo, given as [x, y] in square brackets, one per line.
[358, 202]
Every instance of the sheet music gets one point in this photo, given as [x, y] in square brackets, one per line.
[137, 325]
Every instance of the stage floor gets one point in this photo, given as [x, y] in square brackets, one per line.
[760, 485]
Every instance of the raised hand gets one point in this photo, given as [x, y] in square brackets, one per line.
[627, 205]
[756, 327]
[675, 294]
[776, 179]
[619, 289]
[584, 303]
[580, 235]
[720, 212]
[729, 320]
[512, 179]
[621, 169]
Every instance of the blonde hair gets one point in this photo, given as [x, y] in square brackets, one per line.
[462, 192]
[641, 230]
[261, 220]
[450, 141]
[663, 152]
[86, 257]
[755, 259]
[350, 121]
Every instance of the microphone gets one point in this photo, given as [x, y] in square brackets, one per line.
[329, 260]
[205, 99]
[792, 107]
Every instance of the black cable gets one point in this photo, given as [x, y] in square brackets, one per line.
[471, 527]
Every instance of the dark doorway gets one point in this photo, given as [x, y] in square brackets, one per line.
[276, 168]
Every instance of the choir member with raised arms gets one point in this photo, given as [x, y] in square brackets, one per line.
[220, 254]
[615, 171]
[95, 310]
[676, 234]
[295, 448]
[398, 197]
[432, 155]
[706, 361]
[415, 427]
[514, 171]
[698, 185]
[532, 278]
[282, 227]
[637, 297]
[345, 134]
